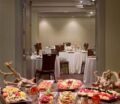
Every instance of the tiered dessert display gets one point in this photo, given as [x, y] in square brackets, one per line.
[69, 84]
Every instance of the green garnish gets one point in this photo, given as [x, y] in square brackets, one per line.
[48, 91]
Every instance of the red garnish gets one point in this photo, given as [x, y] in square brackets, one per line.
[44, 99]
[34, 90]
[96, 99]
[17, 94]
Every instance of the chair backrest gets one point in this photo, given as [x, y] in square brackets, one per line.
[57, 49]
[90, 52]
[62, 47]
[48, 62]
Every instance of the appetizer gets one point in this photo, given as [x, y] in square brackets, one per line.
[106, 95]
[47, 97]
[69, 84]
[13, 94]
[45, 84]
[67, 97]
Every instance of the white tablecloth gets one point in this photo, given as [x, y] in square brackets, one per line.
[75, 60]
[33, 63]
[90, 67]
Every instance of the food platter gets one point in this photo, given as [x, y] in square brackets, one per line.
[47, 97]
[105, 95]
[13, 95]
[68, 85]
[49, 94]
[45, 84]
[67, 97]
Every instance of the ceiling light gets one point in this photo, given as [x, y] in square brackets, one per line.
[81, 1]
[79, 6]
[91, 12]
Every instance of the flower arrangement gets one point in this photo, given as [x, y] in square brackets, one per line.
[37, 47]
[86, 45]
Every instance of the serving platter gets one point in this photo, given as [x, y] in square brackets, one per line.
[105, 95]
[67, 97]
[13, 95]
[47, 97]
[45, 84]
[68, 85]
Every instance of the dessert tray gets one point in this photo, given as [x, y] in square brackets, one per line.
[68, 84]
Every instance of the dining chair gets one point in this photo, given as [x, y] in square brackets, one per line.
[57, 49]
[64, 67]
[62, 48]
[91, 52]
[48, 66]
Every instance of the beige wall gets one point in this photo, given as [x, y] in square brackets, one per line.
[35, 28]
[112, 48]
[7, 31]
[58, 30]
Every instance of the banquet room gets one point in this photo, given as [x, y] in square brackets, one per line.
[59, 52]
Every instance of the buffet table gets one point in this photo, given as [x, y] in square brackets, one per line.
[57, 90]
[79, 98]
[75, 60]
[35, 62]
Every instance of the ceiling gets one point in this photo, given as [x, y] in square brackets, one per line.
[64, 8]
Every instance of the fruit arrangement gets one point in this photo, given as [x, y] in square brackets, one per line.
[45, 84]
[67, 97]
[47, 97]
[106, 95]
[13, 94]
[69, 84]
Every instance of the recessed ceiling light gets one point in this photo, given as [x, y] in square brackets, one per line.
[91, 12]
[81, 1]
[79, 6]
